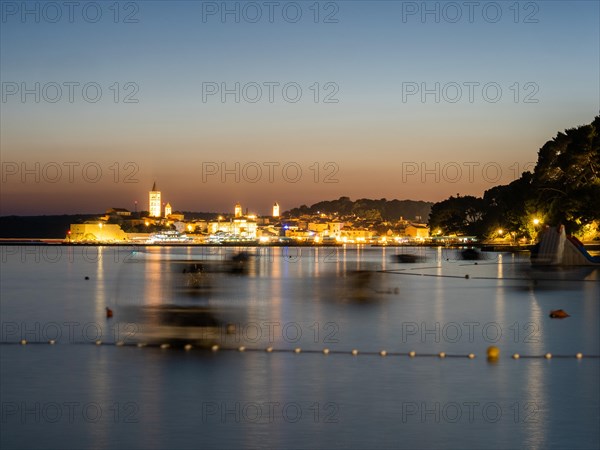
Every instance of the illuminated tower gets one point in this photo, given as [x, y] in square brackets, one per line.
[238, 210]
[276, 209]
[154, 202]
[168, 210]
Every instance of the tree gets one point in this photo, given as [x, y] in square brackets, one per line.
[509, 207]
[564, 188]
[458, 215]
[566, 178]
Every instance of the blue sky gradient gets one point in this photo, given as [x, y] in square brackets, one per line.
[370, 133]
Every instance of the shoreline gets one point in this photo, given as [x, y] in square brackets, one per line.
[485, 247]
[60, 242]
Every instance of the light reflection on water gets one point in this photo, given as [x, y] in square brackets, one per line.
[327, 295]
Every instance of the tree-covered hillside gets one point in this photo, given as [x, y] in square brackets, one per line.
[382, 209]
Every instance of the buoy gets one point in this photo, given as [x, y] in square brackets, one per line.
[326, 351]
[214, 348]
[188, 347]
[579, 355]
[98, 342]
[548, 356]
[412, 354]
[269, 349]
[516, 356]
[467, 276]
[297, 350]
[87, 278]
[559, 314]
[51, 342]
[242, 349]
[442, 355]
[383, 353]
[471, 355]
[109, 312]
[493, 352]
[23, 342]
[164, 346]
[355, 352]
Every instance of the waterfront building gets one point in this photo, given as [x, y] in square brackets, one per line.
[96, 232]
[236, 227]
[417, 231]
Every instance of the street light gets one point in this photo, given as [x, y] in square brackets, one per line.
[536, 222]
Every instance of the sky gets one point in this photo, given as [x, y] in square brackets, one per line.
[294, 102]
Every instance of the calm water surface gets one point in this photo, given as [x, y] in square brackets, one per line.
[76, 394]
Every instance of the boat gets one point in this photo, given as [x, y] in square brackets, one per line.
[470, 254]
[555, 248]
[407, 258]
[169, 237]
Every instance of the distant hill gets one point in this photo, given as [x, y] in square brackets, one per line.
[390, 210]
[49, 227]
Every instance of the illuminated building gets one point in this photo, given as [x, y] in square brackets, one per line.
[154, 202]
[96, 232]
[238, 210]
[417, 230]
[235, 228]
[276, 210]
[168, 210]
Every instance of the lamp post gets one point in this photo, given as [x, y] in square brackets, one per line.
[536, 221]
